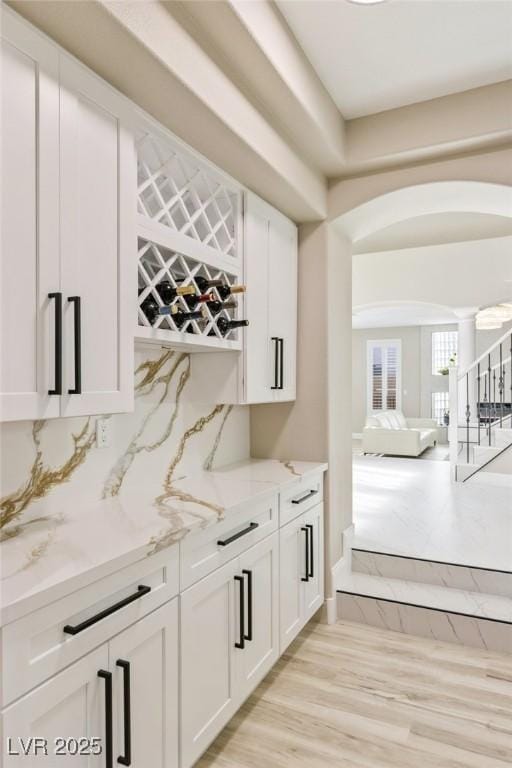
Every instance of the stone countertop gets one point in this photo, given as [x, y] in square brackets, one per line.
[61, 550]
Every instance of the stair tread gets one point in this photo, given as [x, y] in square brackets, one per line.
[430, 596]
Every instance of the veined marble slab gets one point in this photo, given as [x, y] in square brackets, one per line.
[426, 622]
[271, 470]
[491, 582]
[457, 600]
[64, 548]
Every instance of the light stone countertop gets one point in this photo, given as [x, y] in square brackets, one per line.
[61, 550]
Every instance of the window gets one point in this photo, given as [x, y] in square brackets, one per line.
[384, 375]
[444, 347]
[440, 404]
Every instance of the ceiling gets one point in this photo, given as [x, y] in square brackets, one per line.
[377, 57]
[435, 229]
[401, 315]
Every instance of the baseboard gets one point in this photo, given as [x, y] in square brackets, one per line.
[339, 569]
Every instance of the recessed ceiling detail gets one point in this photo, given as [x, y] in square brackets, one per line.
[392, 54]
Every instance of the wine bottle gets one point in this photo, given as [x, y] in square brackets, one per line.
[217, 306]
[150, 308]
[226, 290]
[224, 325]
[204, 284]
[180, 317]
[168, 292]
[193, 301]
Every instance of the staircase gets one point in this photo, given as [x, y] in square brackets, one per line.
[443, 601]
[480, 432]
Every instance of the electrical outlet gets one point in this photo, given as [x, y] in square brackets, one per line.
[102, 433]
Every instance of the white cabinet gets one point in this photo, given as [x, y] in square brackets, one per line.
[229, 640]
[270, 253]
[124, 695]
[144, 663]
[70, 706]
[68, 235]
[301, 561]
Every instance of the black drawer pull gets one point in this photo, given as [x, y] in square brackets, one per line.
[69, 629]
[107, 677]
[75, 300]
[307, 496]
[281, 364]
[126, 759]
[276, 341]
[308, 567]
[58, 344]
[248, 635]
[241, 642]
[311, 553]
[235, 536]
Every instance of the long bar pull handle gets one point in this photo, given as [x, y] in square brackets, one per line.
[241, 642]
[307, 496]
[231, 539]
[69, 629]
[281, 364]
[107, 676]
[58, 343]
[75, 300]
[311, 551]
[306, 577]
[248, 635]
[275, 339]
[126, 759]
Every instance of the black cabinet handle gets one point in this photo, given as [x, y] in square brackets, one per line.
[69, 629]
[275, 339]
[311, 553]
[58, 344]
[281, 364]
[307, 496]
[241, 642]
[107, 676]
[248, 635]
[306, 577]
[225, 542]
[75, 300]
[126, 759]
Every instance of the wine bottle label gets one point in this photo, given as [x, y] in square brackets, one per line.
[238, 289]
[206, 297]
[185, 290]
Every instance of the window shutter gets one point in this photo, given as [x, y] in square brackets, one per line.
[384, 375]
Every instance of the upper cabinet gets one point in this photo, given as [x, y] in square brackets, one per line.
[270, 252]
[68, 235]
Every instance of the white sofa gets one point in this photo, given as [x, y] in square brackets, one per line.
[391, 433]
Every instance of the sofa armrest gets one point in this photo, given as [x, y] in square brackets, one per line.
[425, 423]
[393, 441]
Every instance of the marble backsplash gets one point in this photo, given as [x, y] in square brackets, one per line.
[173, 432]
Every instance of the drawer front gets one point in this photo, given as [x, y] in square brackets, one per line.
[202, 553]
[301, 496]
[36, 647]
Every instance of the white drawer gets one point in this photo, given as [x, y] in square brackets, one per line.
[204, 551]
[298, 497]
[36, 646]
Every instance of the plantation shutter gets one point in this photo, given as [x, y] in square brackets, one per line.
[384, 375]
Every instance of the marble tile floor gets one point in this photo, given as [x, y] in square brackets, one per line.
[411, 508]
[439, 452]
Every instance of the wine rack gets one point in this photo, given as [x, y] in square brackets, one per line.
[188, 226]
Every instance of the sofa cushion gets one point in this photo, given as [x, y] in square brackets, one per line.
[402, 421]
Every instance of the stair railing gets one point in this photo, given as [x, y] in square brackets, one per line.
[480, 401]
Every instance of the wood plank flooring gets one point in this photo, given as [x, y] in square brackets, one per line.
[352, 696]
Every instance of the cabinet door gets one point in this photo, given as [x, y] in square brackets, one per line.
[209, 629]
[98, 243]
[260, 568]
[292, 569]
[282, 292]
[314, 587]
[29, 221]
[70, 706]
[146, 655]
[258, 360]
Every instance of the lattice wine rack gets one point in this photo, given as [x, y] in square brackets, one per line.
[188, 227]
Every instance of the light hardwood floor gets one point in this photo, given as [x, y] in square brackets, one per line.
[353, 696]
